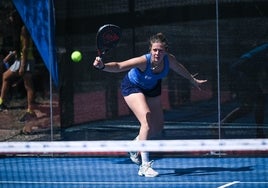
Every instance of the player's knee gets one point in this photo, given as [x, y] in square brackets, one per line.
[149, 119]
[146, 121]
[6, 77]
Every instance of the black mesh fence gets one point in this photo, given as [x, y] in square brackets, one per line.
[191, 28]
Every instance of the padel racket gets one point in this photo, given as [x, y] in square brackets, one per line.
[107, 38]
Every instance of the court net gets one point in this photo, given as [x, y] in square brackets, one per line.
[180, 163]
[123, 146]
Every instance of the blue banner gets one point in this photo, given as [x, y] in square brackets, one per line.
[38, 17]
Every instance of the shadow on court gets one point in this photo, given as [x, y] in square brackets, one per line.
[205, 171]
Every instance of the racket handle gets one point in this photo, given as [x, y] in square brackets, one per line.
[99, 58]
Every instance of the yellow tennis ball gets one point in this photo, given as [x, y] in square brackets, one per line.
[76, 56]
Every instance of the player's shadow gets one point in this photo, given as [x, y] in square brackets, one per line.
[202, 171]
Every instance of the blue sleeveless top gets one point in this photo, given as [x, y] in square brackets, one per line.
[147, 79]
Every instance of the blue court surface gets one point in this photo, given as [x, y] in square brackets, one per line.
[119, 172]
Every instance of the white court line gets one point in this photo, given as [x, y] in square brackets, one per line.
[107, 183]
[127, 183]
[229, 184]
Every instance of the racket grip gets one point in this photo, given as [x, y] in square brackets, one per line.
[99, 58]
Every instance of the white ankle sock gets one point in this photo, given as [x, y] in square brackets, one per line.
[144, 157]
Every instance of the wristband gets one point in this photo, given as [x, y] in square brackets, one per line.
[100, 68]
[103, 67]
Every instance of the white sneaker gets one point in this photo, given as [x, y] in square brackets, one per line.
[147, 171]
[134, 157]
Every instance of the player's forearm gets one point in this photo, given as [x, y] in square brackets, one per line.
[113, 67]
[185, 73]
[11, 53]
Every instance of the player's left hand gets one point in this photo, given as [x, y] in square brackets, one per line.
[198, 82]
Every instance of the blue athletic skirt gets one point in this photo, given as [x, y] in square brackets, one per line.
[127, 88]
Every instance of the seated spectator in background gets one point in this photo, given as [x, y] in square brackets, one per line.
[23, 67]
